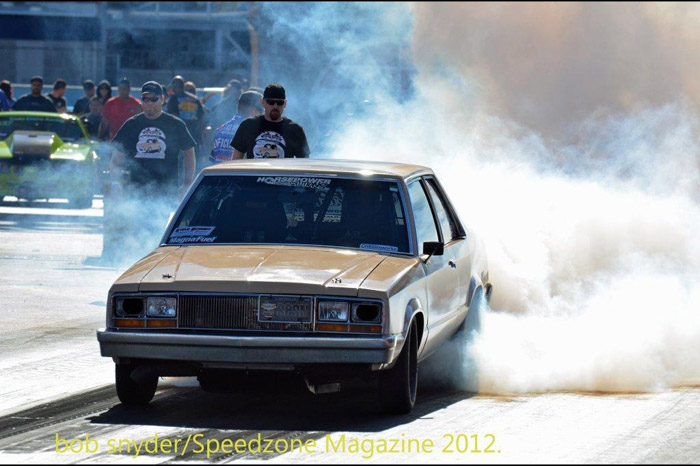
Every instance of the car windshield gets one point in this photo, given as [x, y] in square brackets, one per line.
[65, 128]
[324, 211]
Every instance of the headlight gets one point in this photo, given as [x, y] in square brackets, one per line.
[158, 306]
[366, 313]
[336, 311]
[129, 307]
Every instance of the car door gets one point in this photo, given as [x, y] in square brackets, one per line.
[441, 277]
[455, 239]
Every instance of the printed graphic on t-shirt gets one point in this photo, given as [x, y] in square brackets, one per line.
[188, 109]
[269, 145]
[222, 150]
[151, 144]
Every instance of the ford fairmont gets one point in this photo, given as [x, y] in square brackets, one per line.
[327, 268]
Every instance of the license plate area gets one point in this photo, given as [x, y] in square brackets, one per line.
[285, 309]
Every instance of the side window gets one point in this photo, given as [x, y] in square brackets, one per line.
[425, 224]
[449, 230]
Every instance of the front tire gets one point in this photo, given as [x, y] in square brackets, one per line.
[133, 391]
[398, 385]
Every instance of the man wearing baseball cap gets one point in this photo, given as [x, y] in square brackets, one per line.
[34, 102]
[82, 105]
[270, 135]
[148, 145]
[248, 106]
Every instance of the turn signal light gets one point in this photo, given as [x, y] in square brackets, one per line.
[332, 327]
[129, 323]
[366, 328]
[161, 323]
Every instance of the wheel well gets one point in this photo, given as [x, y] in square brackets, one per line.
[479, 291]
[419, 327]
[474, 289]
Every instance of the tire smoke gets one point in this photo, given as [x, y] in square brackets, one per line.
[563, 142]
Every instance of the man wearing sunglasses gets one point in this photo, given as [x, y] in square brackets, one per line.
[148, 146]
[270, 135]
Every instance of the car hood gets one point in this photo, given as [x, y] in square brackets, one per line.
[42, 144]
[257, 269]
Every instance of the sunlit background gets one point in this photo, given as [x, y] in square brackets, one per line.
[566, 135]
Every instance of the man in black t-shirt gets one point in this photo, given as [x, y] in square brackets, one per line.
[148, 145]
[189, 109]
[34, 102]
[270, 135]
[56, 96]
[82, 105]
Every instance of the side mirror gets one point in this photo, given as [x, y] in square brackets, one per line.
[433, 248]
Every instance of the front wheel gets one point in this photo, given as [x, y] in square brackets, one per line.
[134, 390]
[398, 385]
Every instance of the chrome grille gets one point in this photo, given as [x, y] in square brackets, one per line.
[227, 313]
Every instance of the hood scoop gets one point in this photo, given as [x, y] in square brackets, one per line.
[31, 144]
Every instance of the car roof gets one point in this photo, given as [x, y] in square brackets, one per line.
[318, 166]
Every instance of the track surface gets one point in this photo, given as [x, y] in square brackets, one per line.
[56, 387]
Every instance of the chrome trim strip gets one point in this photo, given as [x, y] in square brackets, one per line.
[151, 338]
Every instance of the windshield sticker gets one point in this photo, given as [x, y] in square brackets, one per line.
[192, 231]
[379, 247]
[193, 239]
[301, 181]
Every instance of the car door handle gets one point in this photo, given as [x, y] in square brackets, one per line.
[452, 264]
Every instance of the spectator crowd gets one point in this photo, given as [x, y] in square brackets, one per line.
[103, 114]
[163, 139]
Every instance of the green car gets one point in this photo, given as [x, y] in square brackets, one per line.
[46, 155]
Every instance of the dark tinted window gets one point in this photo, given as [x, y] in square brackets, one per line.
[324, 211]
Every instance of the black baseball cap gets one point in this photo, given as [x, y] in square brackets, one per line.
[250, 99]
[37, 78]
[152, 87]
[88, 84]
[124, 81]
[274, 91]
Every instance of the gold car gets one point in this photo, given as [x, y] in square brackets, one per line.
[324, 267]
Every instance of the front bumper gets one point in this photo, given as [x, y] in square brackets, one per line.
[249, 349]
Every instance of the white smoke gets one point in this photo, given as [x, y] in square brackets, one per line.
[569, 141]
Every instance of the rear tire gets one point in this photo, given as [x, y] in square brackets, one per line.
[467, 376]
[398, 385]
[131, 391]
